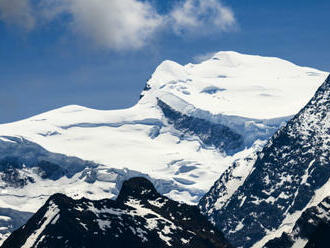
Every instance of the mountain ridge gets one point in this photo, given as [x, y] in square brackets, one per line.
[139, 216]
[286, 175]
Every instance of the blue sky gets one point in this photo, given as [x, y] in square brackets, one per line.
[100, 53]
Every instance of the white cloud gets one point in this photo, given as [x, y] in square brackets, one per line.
[117, 24]
[18, 13]
[121, 24]
[192, 15]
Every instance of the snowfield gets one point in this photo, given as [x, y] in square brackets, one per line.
[251, 96]
[231, 83]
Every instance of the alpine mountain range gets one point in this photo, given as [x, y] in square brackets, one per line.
[231, 152]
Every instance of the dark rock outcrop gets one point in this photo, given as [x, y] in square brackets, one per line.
[140, 217]
[211, 134]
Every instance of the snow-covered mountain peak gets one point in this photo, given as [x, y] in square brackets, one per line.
[231, 83]
[186, 116]
[186, 130]
[169, 68]
[231, 58]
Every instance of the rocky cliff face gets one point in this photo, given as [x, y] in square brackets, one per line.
[288, 175]
[211, 134]
[140, 217]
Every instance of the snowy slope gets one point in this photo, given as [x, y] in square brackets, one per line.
[140, 217]
[191, 123]
[289, 175]
[231, 83]
[142, 138]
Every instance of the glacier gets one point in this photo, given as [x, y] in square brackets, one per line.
[191, 123]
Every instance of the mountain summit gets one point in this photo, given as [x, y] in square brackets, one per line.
[187, 113]
[140, 217]
[231, 83]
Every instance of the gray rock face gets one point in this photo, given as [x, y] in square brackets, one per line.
[291, 167]
[220, 136]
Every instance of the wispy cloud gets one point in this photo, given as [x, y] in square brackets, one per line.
[17, 13]
[202, 57]
[121, 24]
[202, 16]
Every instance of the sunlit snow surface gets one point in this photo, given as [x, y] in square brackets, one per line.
[223, 89]
[231, 83]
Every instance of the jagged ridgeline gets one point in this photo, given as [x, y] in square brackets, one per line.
[140, 217]
[290, 174]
